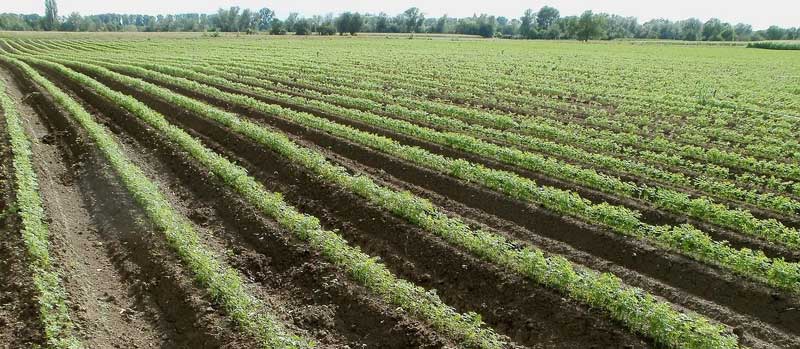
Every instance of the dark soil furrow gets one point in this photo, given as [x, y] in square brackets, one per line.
[529, 314]
[124, 288]
[650, 213]
[19, 313]
[758, 212]
[309, 292]
[702, 280]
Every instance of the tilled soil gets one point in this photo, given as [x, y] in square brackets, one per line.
[304, 289]
[19, 327]
[755, 312]
[124, 288]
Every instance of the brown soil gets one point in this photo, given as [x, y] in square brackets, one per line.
[19, 310]
[706, 282]
[308, 292]
[792, 221]
[533, 316]
[123, 287]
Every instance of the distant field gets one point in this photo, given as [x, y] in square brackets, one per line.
[176, 190]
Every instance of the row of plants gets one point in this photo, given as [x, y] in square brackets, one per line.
[467, 329]
[660, 148]
[664, 198]
[713, 170]
[684, 239]
[500, 134]
[773, 45]
[575, 77]
[224, 284]
[50, 293]
[632, 120]
[640, 311]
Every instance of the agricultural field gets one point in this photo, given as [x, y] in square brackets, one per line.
[381, 192]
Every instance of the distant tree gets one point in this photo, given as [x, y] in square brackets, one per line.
[589, 26]
[413, 19]
[691, 29]
[774, 33]
[381, 23]
[526, 27]
[276, 27]
[441, 25]
[72, 23]
[50, 21]
[355, 24]
[727, 34]
[264, 18]
[291, 21]
[343, 22]
[546, 17]
[487, 26]
[246, 21]
[712, 30]
[302, 27]
[327, 29]
[618, 27]
[743, 31]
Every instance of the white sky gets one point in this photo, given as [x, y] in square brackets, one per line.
[760, 14]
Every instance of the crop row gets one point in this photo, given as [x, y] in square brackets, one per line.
[222, 282]
[641, 312]
[602, 140]
[668, 199]
[466, 328]
[596, 114]
[51, 297]
[499, 133]
[683, 238]
[534, 126]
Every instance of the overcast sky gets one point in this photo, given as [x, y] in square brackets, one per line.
[760, 14]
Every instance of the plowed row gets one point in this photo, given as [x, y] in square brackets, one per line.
[297, 193]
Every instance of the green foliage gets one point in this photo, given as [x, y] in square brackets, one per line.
[222, 282]
[599, 290]
[775, 45]
[51, 297]
[363, 268]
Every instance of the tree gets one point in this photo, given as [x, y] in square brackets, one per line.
[526, 28]
[382, 23]
[291, 21]
[441, 25]
[774, 33]
[73, 22]
[727, 33]
[50, 15]
[343, 22]
[743, 31]
[621, 27]
[276, 27]
[546, 17]
[302, 27]
[264, 18]
[246, 21]
[487, 26]
[355, 24]
[413, 19]
[589, 26]
[691, 29]
[712, 30]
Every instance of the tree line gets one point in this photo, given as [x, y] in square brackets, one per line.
[546, 23]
